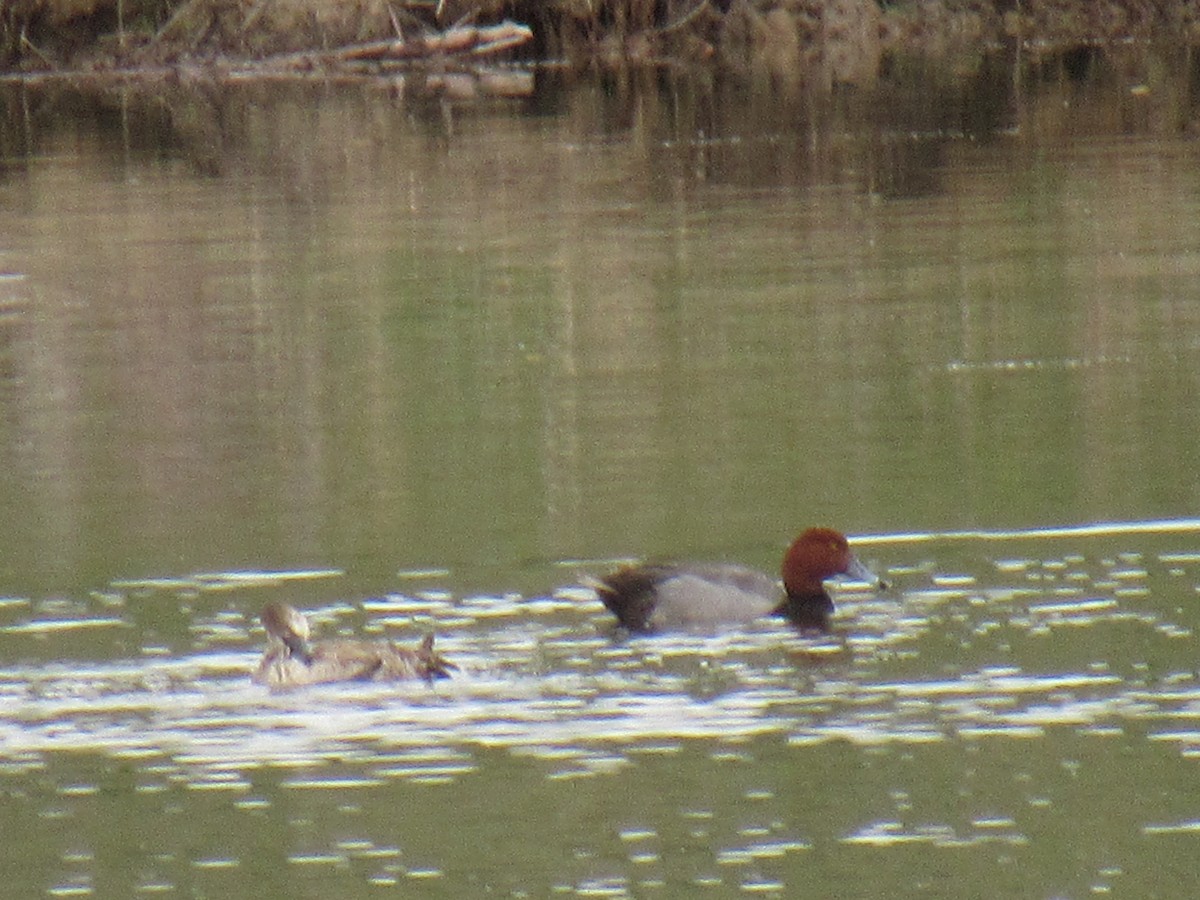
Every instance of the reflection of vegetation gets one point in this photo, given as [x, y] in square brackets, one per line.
[219, 127]
[838, 39]
[409, 342]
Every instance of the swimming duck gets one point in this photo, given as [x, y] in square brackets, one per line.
[291, 659]
[664, 596]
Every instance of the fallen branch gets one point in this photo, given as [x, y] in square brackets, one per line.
[458, 41]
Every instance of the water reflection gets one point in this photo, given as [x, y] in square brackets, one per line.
[411, 367]
[356, 338]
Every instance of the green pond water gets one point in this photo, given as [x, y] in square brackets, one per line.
[417, 361]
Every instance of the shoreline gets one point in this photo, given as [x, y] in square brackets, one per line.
[821, 42]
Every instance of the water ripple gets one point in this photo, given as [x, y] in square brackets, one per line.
[1007, 648]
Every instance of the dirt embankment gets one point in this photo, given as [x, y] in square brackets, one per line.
[836, 39]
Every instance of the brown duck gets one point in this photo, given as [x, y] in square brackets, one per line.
[292, 660]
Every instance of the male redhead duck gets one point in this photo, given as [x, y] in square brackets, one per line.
[664, 596]
[292, 660]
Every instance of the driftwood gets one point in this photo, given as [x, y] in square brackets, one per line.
[461, 41]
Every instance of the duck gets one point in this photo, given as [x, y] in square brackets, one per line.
[292, 660]
[669, 596]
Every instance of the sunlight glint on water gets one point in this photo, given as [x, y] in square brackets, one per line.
[414, 365]
[542, 676]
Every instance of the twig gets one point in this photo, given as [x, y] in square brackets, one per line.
[465, 19]
[180, 13]
[395, 23]
[685, 20]
[29, 45]
[256, 12]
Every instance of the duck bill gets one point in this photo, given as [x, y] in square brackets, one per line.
[858, 572]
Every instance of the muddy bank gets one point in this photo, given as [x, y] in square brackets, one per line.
[810, 40]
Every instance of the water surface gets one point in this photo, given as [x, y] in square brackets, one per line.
[415, 363]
